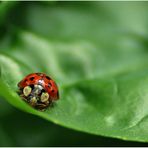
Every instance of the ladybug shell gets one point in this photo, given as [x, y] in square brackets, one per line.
[41, 79]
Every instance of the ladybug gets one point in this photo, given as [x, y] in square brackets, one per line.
[39, 90]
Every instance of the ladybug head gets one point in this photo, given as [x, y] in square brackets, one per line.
[35, 94]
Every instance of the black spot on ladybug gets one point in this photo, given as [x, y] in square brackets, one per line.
[32, 78]
[48, 78]
[52, 91]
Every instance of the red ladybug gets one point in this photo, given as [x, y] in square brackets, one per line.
[39, 90]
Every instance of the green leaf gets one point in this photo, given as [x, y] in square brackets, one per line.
[44, 133]
[99, 66]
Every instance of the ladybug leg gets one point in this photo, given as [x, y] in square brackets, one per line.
[41, 107]
[33, 101]
[23, 97]
[19, 91]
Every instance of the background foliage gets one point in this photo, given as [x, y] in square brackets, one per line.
[96, 52]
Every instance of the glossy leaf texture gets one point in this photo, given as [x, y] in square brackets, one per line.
[97, 54]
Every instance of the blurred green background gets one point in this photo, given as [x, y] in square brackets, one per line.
[101, 23]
